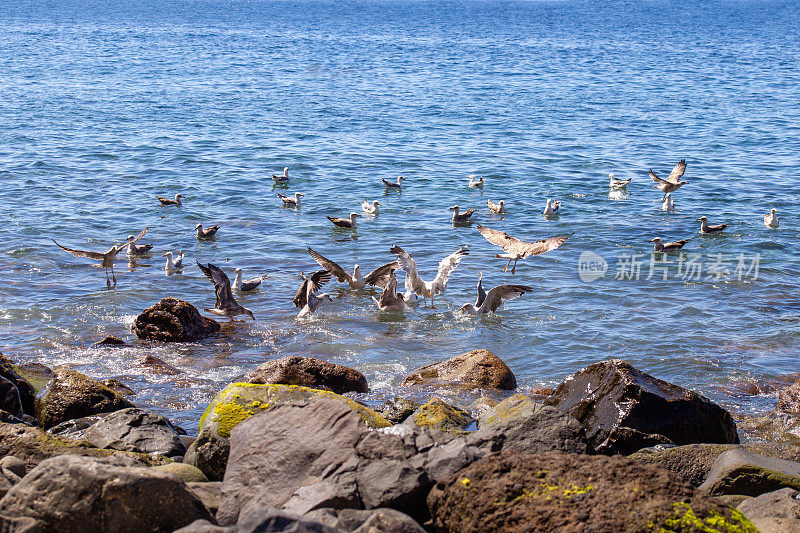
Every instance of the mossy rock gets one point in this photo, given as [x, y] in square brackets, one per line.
[35, 374]
[436, 414]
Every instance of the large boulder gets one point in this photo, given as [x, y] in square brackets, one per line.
[263, 521]
[365, 521]
[37, 374]
[555, 491]
[25, 395]
[71, 493]
[530, 427]
[436, 414]
[136, 430]
[478, 368]
[623, 410]
[782, 505]
[71, 395]
[741, 472]
[397, 410]
[173, 320]
[239, 401]
[309, 372]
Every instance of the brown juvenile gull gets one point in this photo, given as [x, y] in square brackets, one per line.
[137, 250]
[415, 286]
[282, 178]
[390, 301]
[461, 217]
[106, 258]
[475, 183]
[345, 222]
[498, 208]
[669, 246]
[306, 298]
[516, 249]
[167, 201]
[771, 218]
[173, 264]
[248, 285]
[671, 184]
[390, 185]
[705, 227]
[378, 277]
[492, 301]
[205, 234]
[226, 305]
[370, 208]
[288, 201]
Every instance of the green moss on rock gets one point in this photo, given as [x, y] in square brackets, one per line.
[438, 415]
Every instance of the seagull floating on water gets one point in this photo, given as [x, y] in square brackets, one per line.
[671, 184]
[248, 285]
[705, 227]
[516, 249]
[377, 278]
[498, 208]
[282, 178]
[288, 201]
[491, 302]
[226, 305]
[617, 184]
[390, 185]
[106, 258]
[415, 286]
[552, 207]
[390, 300]
[173, 264]
[167, 201]
[669, 246]
[667, 204]
[345, 222]
[771, 219]
[460, 217]
[306, 298]
[205, 234]
[137, 250]
[370, 208]
[475, 183]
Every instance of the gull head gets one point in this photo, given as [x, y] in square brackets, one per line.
[249, 313]
[198, 226]
[703, 218]
[237, 270]
[376, 202]
[464, 308]
[299, 194]
[454, 208]
[131, 237]
[682, 182]
[179, 195]
[168, 254]
[480, 275]
[354, 215]
[655, 239]
[611, 175]
[773, 211]
[502, 202]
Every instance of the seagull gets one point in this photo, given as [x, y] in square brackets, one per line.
[370, 209]
[205, 234]
[771, 219]
[671, 184]
[617, 184]
[173, 265]
[226, 305]
[497, 209]
[552, 207]
[481, 292]
[516, 249]
[705, 228]
[390, 185]
[390, 300]
[137, 250]
[460, 217]
[427, 289]
[667, 247]
[248, 285]
[345, 222]
[282, 178]
[667, 204]
[377, 278]
[288, 201]
[106, 258]
[306, 298]
[167, 201]
[491, 302]
[475, 183]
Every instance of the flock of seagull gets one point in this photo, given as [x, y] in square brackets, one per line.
[308, 298]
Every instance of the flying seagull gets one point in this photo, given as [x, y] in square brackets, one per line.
[370, 208]
[705, 227]
[173, 264]
[282, 178]
[669, 246]
[516, 249]
[226, 305]
[288, 201]
[667, 204]
[498, 208]
[552, 207]
[617, 184]
[205, 234]
[345, 222]
[137, 250]
[390, 185]
[306, 298]
[378, 277]
[248, 285]
[475, 183]
[427, 289]
[460, 217]
[106, 258]
[167, 201]
[771, 219]
[671, 184]
[494, 299]
[390, 301]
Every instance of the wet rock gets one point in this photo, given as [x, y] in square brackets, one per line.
[741, 472]
[209, 492]
[530, 427]
[555, 491]
[774, 427]
[117, 386]
[263, 521]
[38, 375]
[396, 410]
[624, 410]
[239, 401]
[187, 473]
[158, 365]
[70, 493]
[783, 503]
[309, 372]
[109, 340]
[135, 430]
[789, 399]
[22, 401]
[173, 320]
[482, 405]
[478, 368]
[371, 521]
[438, 415]
[9, 398]
[14, 465]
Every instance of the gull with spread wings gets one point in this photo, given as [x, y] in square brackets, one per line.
[491, 301]
[377, 278]
[106, 258]
[390, 301]
[427, 289]
[226, 305]
[671, 184]
[306, 298]
[516, 249]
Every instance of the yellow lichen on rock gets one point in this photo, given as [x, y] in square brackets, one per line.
[685, 519]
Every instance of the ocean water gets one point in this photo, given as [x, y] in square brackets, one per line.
[106, 105]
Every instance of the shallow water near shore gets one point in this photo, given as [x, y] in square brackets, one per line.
[106, 107]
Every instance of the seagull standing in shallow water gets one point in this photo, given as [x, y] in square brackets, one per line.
[475, 183]
[705, 227]
[390, 185]
[106, 258]
[370, 208]
[659, 246]
[248, 285]
[552, 208]
[771, 219]
[226, 305]
[289, 201]
[427, 289]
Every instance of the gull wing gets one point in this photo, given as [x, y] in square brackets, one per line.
[389, 294]
[657, 179]
[413, 282]
[502, 293]
[677, 172]
[317, 280]
[97, 256]
[300, 298]
[330, 266]
[481, 293]
[502, 239]
[141, 234]
[545, 245]
[446, 267]
[380, 276]
[222, 285]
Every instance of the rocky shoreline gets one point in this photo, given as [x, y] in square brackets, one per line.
[610, 449]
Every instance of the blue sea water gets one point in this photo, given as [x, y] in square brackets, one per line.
[107, 104]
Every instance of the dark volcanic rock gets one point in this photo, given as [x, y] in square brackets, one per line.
[173, 320]
[554, 491]
[135, 430]
[9, 398]
[623, 410]
[70, 395]
[309, 372]
[371, 521]
[263, 521]
[741, 472]
[25, 395]
[79, 494]
[396, 410]
[478, 368]
[109, 340]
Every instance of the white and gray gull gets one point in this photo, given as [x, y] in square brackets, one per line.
[496, 208]
[667, 204]
[460, 217]
[475, 183]
[106, 258]
[617, 184]
[415, 286]
[491, 302]
[552, 207]
[205, 234]
[370, 208]
[345, 222]
[390, 185]
[248, 285]
[282, 178]
[137, 250]
[289, 201]
[659, 246]
[390, 300]
[517, 249]
[671, 184]
[377, 278]
[173, 264]
[771, 219]
[167, 201]
[706, 228]
[306, 298]
[225, 305]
